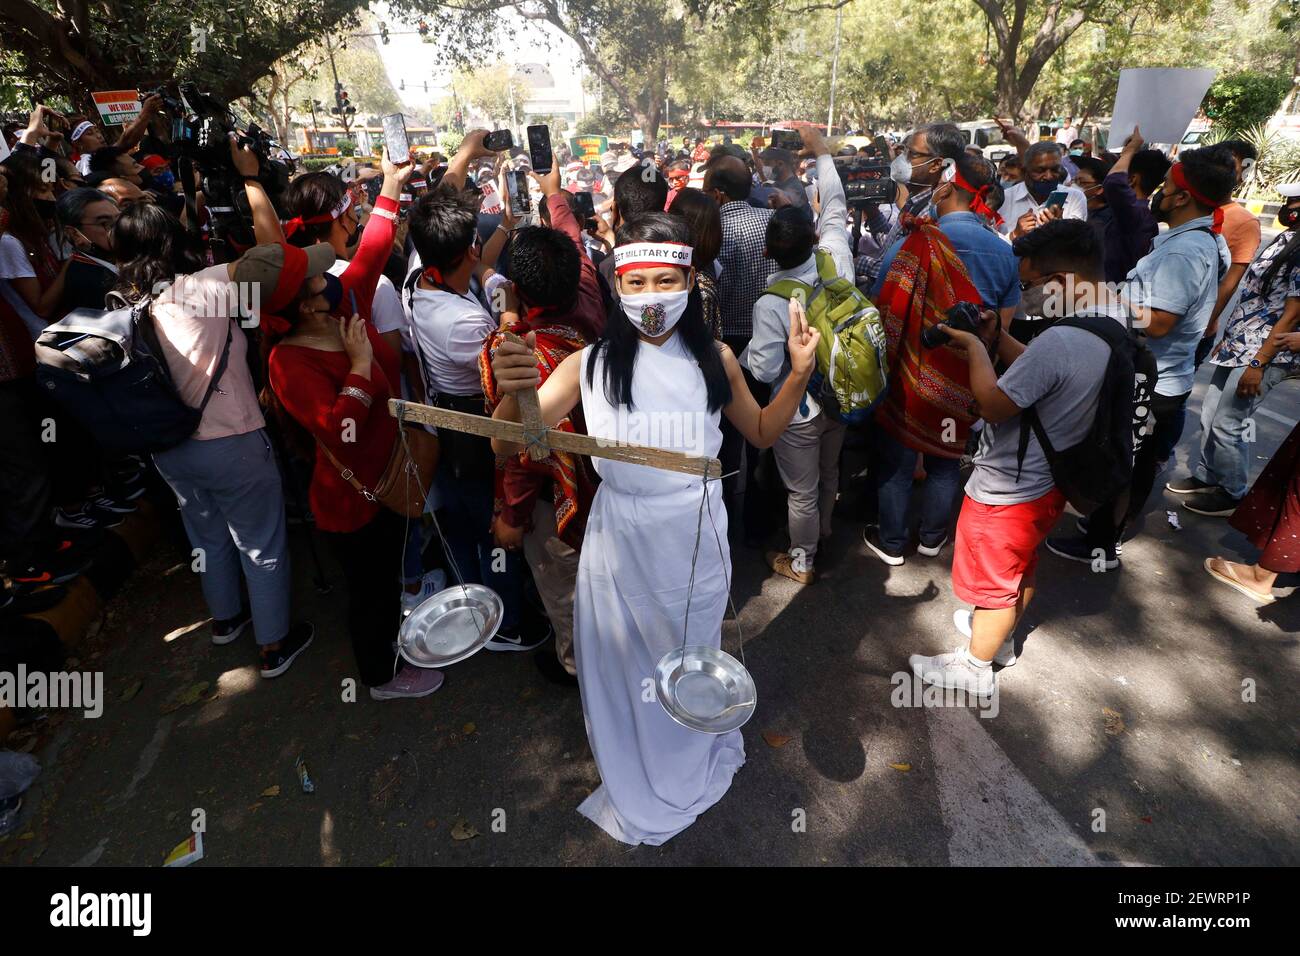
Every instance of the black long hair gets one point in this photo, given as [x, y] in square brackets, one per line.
[152, 248]
[619, 343]
[1283, 262]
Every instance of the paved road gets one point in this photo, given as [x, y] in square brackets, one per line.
[1127, 701]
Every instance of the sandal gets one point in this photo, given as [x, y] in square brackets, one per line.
[1227, 577]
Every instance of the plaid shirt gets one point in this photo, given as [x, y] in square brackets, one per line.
[745, 270]
[867, 268]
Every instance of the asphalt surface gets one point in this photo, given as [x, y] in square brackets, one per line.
[1121, 738]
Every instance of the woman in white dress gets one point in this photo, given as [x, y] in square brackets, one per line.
[657, 377]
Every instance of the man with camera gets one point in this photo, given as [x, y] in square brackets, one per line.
[918, 169]
[1011, 504]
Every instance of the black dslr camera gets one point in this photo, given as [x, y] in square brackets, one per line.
[962, 317]
[865, 183]
[201, 129]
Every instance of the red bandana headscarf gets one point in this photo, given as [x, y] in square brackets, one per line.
[979, 204]
[1180, 180]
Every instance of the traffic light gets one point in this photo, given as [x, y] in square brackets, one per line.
[383, 32]
[401, 86]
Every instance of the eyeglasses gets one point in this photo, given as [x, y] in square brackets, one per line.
[916, 154]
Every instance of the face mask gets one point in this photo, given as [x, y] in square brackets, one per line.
[45, 208]
[768, 173]
[654, 313]
[1289, 217]
[355, 237]
[1041, 190]
[1006, 183]
[1076, 152]
[900, 170]
[1157, 200]
[164, 182]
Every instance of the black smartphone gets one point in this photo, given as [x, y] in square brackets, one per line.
[586, 207]
[498, 139]
[539, 148]
[517, 184]
[395, 140]
[787, 139]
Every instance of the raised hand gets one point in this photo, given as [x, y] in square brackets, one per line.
[802, 343]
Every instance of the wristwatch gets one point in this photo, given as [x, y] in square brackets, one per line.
[1256, 363]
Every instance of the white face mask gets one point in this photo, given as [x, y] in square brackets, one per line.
[768, 174]
[654, 313]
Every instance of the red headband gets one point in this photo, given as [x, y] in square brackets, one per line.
[978, 204]
[1180, 180]
[287, 284]
[297, 222]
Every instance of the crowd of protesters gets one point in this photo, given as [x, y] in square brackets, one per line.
[408, 290]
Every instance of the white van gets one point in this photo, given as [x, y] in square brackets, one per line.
[987, 135]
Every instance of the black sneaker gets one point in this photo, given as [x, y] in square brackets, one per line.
[227, 630]
[275, 663]
[517, 640]
[1082, 525]
[77, 520]
[1077, 549]
[1189, 485]
[19, 600]
[871, 537]
[1216, 502]
[109, 504]
[55, 568]
[130, 487]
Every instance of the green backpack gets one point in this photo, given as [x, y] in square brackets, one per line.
[850, 376]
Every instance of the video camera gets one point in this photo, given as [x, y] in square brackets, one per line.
[865, 183]
[201, 128]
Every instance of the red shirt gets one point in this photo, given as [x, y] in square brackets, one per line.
[309, 383]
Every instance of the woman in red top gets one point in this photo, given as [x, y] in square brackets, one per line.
[333, 377]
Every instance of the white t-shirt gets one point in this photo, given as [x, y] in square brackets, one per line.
[449, 332]
[15, 264]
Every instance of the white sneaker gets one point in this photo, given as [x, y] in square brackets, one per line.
[931, 552]
[1006, 655]
[409, 682]
[432, 582]
[954, 670]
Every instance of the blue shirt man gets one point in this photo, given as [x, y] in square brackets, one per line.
[992, 266]
[1180, 275]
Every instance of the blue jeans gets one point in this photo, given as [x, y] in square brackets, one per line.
[466, 521]
[894, 490]
[232, 504]
[1223, 458]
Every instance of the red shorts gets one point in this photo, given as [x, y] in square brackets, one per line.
[996, 550]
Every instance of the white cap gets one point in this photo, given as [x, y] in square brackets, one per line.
[1289, 190]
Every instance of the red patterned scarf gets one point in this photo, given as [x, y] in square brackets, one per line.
[929, 406]
[571, 477]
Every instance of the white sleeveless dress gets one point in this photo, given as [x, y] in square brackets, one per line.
[630, 604]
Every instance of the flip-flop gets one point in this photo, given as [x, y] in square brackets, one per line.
[1231, 581]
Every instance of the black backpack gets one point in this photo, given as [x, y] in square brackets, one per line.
[1100, 467]
[107, 369]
